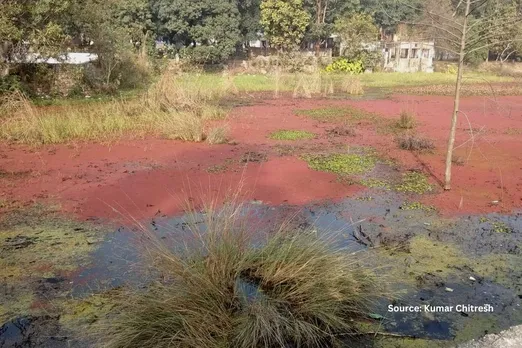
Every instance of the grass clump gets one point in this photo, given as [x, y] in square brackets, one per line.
[293, 289]
[218, 135]
[414, 182]
[415, 143]
[341, 163]
[406, 120]
[291, 135]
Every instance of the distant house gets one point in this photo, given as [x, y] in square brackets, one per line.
[73, 58]
[409, 56]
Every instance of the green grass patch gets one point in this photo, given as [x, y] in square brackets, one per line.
[341, 163]
[284, 134]
[414, 182]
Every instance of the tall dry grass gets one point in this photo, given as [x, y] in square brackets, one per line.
[173, 108]
[225, 288]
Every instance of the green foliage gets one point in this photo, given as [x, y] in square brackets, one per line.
[388, 13]
[214, 25]
[343, 65]
[341, 163]
[355, 32]
[291, 135]
[414, 182]
[10, 83]
[284, 22]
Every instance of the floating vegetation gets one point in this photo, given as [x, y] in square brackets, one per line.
[341, 163]
[291, 135]
[414, 182]
[376, 183]
[416, 206]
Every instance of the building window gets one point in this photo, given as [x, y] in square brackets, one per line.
[404, 53]
[393, 53]
[414, 53]
[425, 53]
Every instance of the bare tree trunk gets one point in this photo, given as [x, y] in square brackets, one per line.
[451, 140]
[319, 14]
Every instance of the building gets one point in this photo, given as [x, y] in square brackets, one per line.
[409, 56]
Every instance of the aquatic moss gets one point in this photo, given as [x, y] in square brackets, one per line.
[398, 342]
[284, 134]
[414, 182]
[341, 163]
[476, 327]
[500, 227]
[424, 255]
[77, 312]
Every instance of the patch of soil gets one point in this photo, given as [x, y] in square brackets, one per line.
[253, 156]
[341, 131]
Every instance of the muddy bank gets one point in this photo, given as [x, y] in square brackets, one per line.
[427, 260]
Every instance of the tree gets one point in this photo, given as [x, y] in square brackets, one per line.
[355, 31]
[135, 16]
[284, 22]
[250, 14]
[388, 13]
[501, 29]
[40, 26]
[459, 25]
[210, 28]
[323, 14]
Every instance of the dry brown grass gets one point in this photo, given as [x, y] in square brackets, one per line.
[406, 120]
[352, 85]
[172, 107]
[218, 135]
[415, 143]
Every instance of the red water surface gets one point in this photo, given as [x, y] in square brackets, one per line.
[140, 178]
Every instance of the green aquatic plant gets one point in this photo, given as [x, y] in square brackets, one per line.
[341, 163]
[414, 182]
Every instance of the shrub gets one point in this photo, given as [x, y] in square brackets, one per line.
[415, 143]
[406, 120]
[219, 290]
[343, 65]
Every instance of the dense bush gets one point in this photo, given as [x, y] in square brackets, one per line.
[343, 65]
